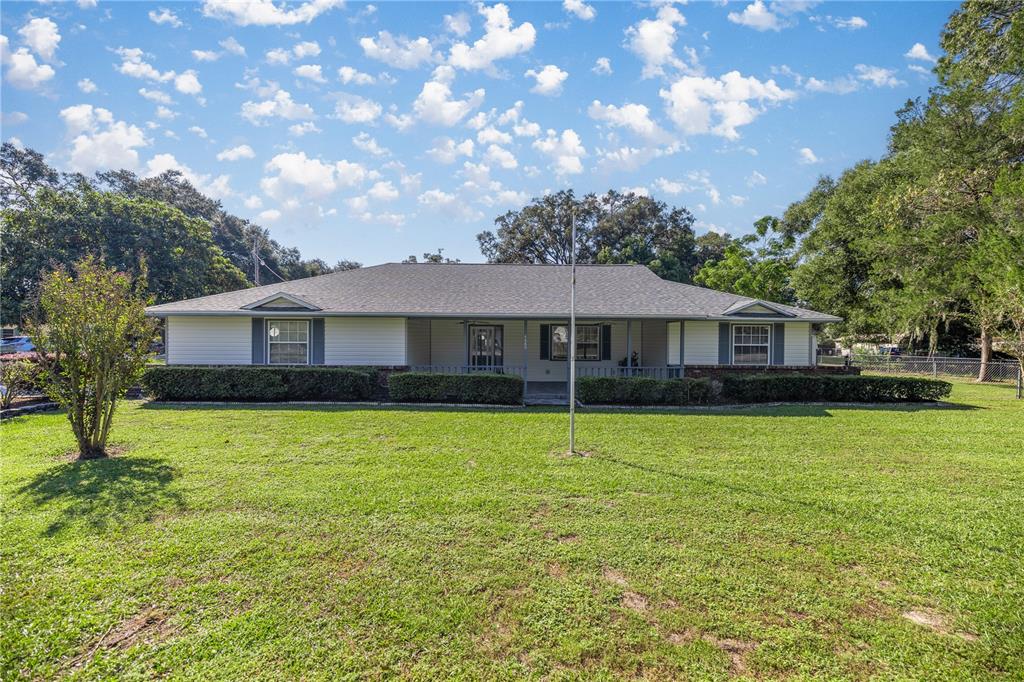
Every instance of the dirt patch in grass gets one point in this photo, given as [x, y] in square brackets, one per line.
[568, 538]
[146, 627]
[737, 649]
[112, 451]
[634, 601]
[938, 623]
[613, 576]
[555, 569]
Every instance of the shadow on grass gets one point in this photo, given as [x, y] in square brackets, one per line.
[104, 493]
[817, 505]
[752, 410]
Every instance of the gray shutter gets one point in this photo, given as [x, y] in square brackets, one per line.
[545, 341]
[779, 343]
[259, 339]
[723, 343]
[606, 342]
[316, 348]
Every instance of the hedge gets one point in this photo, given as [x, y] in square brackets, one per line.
[764, 388]
[257, 384]
[478, 387]
[642, 391]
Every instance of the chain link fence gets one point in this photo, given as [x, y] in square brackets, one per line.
[923, 365]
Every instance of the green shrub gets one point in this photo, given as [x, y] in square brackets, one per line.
[18, 378]
[766, 388]
[642, 391]
[257, 384]
[478, 387]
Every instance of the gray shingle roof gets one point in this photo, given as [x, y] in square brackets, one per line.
[488, 290]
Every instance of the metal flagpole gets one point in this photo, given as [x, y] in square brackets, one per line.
[572, 341]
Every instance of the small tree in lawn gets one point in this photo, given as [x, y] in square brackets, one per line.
[93, 341]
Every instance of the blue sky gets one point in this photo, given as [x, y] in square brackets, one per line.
[371, 132]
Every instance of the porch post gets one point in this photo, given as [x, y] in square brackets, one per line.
[629, 348]
[526, 359]
[465, 355]
[682, 336]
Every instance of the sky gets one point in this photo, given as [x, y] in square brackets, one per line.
[370, 132]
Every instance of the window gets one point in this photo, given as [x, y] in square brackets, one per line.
[288, 342]
[750, 344]
[588, 342]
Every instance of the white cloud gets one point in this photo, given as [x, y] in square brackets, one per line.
[164, 16]
[807, 156]
[843, 85]
[269, 216]
[400, 122]
[217, 187]
[200, 132]
[98, 141]
[309, 48]
[501, 157]
[134, 66]
[457, 23]
[758, 17]
[348, 74]
[581, 9]
[490, 135]
[356, 109]
[13, 118]
[382, 191]
[737, 200]
[313, 177]
[634, 117]
[280, 106]
[300, 129]
[920, 53]
[86, 85]
[446, 150]
[42, 36]
[755, 179]
[435, 105]
[205, 55]
[603, 66]
[87, 4]
[549, 80]
[699, 105]
[639, 191]
[878, 76]
[565, 150]
[253, 202]
[627, 158]
[233, 46]
[500, 40]
[266, 12]
[917, 68]
[850, 23]
[23, 71]
[369, 145]
[653, 40]
[242, 151]
[670, 186]
[696, 181]
[448, 204]
[278, 55]
[399, 52]
[155, 96]
[165, 113]
[311, 72]
[187, 83]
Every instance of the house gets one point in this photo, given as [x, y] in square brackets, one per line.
[491, 317]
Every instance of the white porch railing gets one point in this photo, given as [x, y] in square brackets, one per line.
[649, 372]
[469, 369]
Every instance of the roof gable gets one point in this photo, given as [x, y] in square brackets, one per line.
[757, 308]
[281, 301]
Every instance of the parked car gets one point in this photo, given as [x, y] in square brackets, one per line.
[891, 350]
[16, 344]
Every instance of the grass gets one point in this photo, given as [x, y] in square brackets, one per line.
[330, 542]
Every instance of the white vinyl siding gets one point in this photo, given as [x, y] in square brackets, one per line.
[797, 350]
[673, 343]
[209, 340]
[364, 341]
[701, 343]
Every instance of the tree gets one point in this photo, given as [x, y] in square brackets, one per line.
[432, 258]
[60, 227]
[93, 341]
[17, 377]
[612, 228]
[762, 273]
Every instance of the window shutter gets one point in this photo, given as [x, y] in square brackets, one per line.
[606, 342]
[259, 341]
[316, 349]
[779, 343]
[723, 343]
[545, 341]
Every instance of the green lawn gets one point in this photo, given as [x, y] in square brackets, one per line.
[306, 542]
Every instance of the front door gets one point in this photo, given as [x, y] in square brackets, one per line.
[485, 349]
